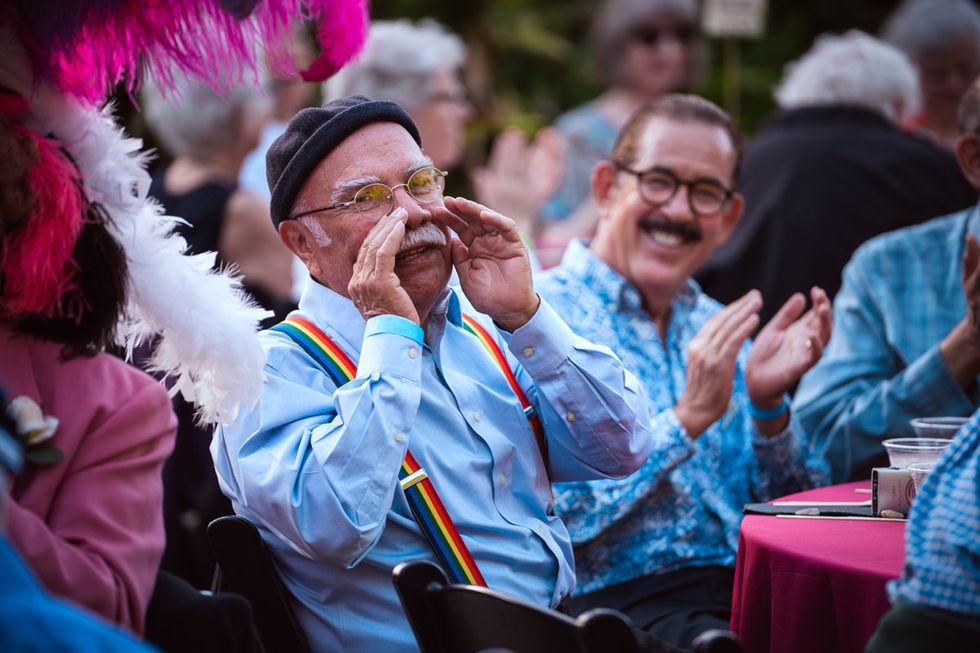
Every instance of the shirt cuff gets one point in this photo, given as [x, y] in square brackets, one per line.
[785, 439]
[543, 343]
[394, 324]
[392, 345]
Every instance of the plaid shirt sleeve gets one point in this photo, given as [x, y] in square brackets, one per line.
[942, 566]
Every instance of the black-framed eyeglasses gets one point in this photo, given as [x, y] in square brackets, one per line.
[374, 200]
[707, 198]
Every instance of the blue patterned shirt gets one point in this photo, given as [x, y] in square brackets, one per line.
[684, 506]
[901, 295]
[942, 542]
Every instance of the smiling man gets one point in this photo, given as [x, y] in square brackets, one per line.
[383, 370]
[660, 545]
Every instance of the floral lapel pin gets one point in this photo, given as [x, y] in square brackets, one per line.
[35, 430]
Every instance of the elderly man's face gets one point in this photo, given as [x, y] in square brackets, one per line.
[659, 247]
[379, 152]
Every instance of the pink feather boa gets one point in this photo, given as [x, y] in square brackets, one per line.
[110, 40]
[36, 264]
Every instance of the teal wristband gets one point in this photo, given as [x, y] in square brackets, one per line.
[763, 414]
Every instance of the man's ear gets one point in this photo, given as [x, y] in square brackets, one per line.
[968, 156]
[603, 186]
[298, 239]
[729, 219]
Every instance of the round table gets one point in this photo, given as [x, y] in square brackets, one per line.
[814, 584]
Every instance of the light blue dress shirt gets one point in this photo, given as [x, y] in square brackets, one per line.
[316, 467]
[942, 542]
[683, 508]
[901, 295]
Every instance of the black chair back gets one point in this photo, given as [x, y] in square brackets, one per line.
[465, 619]
[245, 566]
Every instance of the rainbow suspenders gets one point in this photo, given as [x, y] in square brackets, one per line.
[431, 515]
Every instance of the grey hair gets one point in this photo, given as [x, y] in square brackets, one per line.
[925, 27]
[194, 118]
[315, 228]
[853, 69]
[618, 18]
[398, 61]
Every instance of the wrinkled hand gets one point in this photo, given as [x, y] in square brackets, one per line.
[787, 347]
[520, 176]
[711, 358]
[374, 287]
[491, 261]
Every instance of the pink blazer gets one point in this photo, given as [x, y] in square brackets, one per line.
[91, 527]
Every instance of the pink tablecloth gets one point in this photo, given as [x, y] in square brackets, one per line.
[815, 585]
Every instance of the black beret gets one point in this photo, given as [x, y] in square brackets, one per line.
[312, 134]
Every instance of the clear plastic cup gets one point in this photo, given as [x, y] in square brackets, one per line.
[903, 452]
[937, 427]
[920, 471]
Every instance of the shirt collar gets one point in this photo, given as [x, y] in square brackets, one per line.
[327, 307]
[582, 263]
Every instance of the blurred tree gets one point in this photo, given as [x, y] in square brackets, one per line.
[530, 60]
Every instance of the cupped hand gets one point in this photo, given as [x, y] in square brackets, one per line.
[787, 347]
[711, 358]
[374, 287]
[491, 261]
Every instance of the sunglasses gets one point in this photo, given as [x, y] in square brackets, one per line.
[651, 36]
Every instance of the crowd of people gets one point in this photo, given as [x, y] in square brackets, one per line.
[644, 321]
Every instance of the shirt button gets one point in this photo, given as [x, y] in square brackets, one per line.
[502, 479]
[413, 353]
[476, 416]
[570, 416]
[528, 352]
[399, 437]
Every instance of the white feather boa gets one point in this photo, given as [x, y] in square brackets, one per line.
[209, 346]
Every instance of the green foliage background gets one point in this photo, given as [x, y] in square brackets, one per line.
[532, 59]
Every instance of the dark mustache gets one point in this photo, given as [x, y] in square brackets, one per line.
[688, 231]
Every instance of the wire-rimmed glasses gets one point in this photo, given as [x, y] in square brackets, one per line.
[374, 200]
[707, 198]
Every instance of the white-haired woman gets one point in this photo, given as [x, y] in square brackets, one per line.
[942, 38]
[209, 135]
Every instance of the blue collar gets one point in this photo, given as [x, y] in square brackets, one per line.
[596, 274]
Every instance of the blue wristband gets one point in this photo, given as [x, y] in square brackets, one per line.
[763, 414]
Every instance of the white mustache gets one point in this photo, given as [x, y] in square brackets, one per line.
[427, 234]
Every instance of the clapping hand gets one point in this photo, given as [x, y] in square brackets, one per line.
[787, 347]
[520, 175]
[711, 358]
[491, 261]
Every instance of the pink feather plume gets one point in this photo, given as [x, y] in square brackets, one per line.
[36, 264]
[111, 40]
